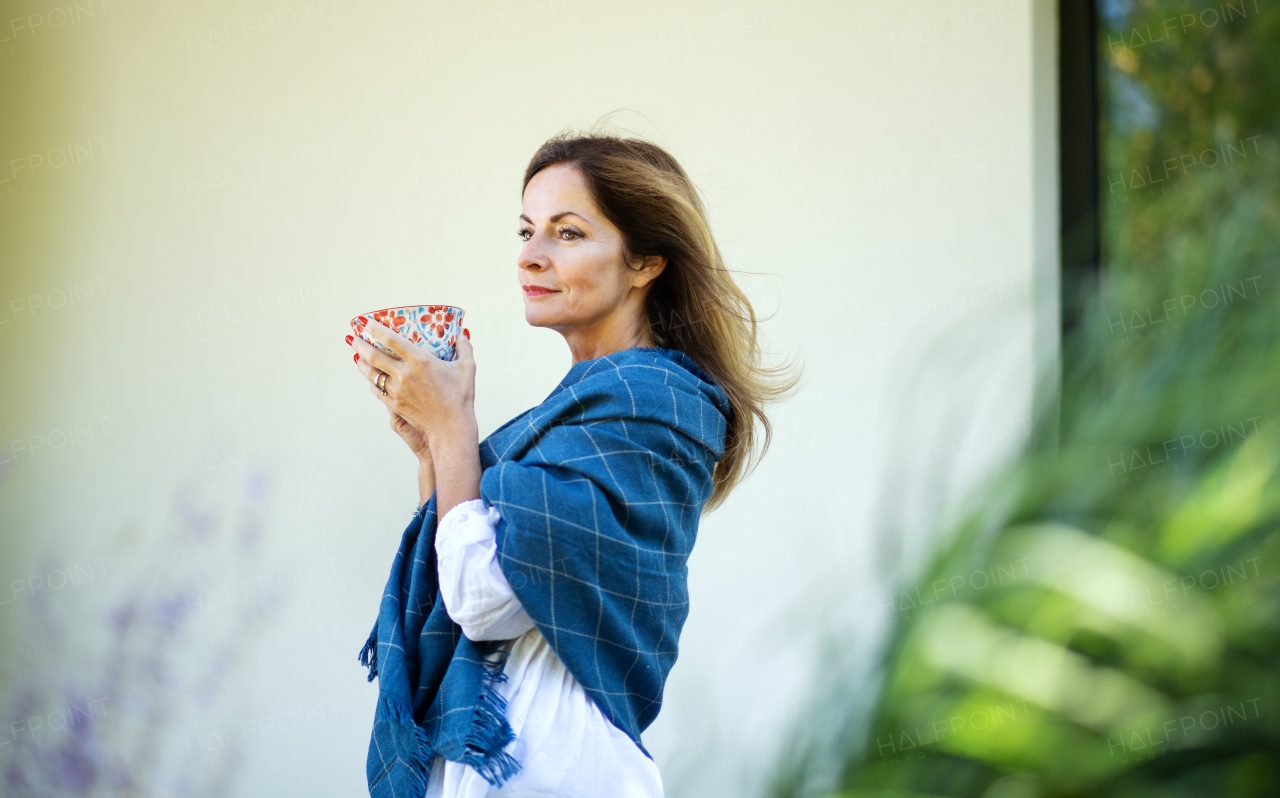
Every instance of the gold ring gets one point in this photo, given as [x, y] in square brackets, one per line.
[381, 382]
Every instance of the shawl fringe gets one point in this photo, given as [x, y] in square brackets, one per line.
[369, 654]
[490, 731]
[418, 762]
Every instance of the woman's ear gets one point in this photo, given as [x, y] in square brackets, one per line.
[647, 270]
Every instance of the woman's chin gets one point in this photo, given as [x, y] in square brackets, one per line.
[538, 317]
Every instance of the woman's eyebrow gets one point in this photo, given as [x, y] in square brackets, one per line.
[557, 217]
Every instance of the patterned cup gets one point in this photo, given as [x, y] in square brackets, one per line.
[435, 327]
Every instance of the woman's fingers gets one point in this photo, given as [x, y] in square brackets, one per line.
[372, 358]
[463, 344]
[391, 339]
[464, 352]
[407, 431]
[371, 373]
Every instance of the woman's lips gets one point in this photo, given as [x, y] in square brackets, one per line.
[537, 290]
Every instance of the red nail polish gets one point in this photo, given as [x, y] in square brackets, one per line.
[357, 360]
[467, 333]
[349, 339]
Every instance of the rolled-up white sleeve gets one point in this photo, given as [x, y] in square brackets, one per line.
[476, 594]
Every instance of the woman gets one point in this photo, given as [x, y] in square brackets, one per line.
[524, 639]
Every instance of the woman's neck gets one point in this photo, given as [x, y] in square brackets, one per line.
[589, 345]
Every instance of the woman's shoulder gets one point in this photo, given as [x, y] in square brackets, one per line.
[643, 397]
[642, 373]
[647, 364]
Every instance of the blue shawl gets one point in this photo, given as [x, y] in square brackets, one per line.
[600, 489]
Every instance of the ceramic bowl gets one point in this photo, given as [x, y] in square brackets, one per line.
[434, 327]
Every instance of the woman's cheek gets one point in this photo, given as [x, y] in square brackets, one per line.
[563, 305]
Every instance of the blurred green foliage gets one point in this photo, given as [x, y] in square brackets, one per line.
[1108, 622]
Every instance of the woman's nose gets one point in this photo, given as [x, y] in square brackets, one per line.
[530, 258]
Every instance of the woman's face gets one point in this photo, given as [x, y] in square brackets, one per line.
[571, 267]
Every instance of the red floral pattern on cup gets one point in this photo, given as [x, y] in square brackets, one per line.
[434, 327]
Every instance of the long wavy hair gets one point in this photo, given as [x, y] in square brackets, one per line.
[694, 305]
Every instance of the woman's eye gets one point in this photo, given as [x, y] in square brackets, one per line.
[565, 231]
[524, 234]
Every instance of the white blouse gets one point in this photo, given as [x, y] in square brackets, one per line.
[565, 745]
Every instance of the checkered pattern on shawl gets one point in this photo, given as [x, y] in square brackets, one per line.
[600, 489]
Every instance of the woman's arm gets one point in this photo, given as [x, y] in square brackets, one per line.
[426, 481]
[476, 594]
[457, 449]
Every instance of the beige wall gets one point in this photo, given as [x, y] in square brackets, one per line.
[195, 197]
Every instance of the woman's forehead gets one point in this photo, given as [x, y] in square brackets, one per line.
[562, 187]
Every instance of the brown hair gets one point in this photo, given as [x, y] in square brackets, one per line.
[693, 305]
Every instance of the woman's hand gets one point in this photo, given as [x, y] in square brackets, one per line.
[417, 443]
[425, 395]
